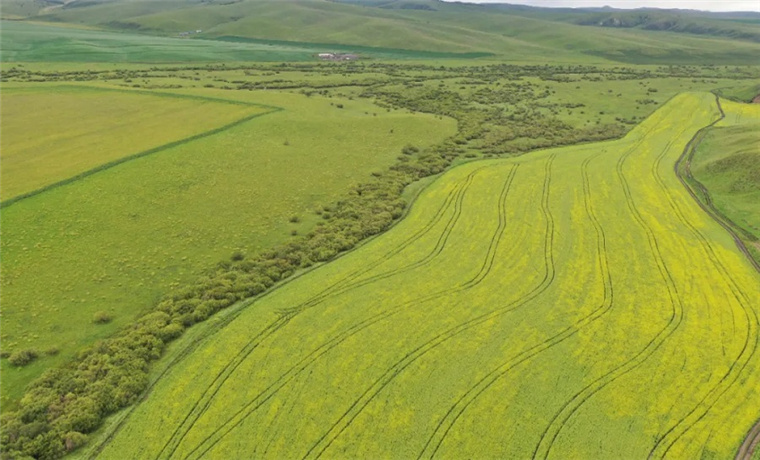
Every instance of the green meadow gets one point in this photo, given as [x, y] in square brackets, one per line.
[727, 162]
[516, 312]
[39, 42]
[118, 240]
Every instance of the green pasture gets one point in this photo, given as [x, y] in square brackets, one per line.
[41, 42]
[51, 133]
[31, 42]
[727, 162]
[118, 240]
[568, 303]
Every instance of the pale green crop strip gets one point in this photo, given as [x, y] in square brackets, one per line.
[571, 303]
[151, 151]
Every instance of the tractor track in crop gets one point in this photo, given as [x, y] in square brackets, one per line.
[716, 392]
[345, 420]
[746, 354]
[441, 431]
[227, 320]
[201, 405]
[571, 406]
[240, 416]
[752, 439]
[482, 273]
[336, 289]
[286, 315]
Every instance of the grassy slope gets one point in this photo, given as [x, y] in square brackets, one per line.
[78, 132]
[29, 42]
[727, 162]
[545, 326]
[740, 26]
[455, 28]
[184, 209]
[740, 93]
[60, 42]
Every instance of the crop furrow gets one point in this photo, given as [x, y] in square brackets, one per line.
[746, 354]
[441, 243]
[458, 408]
[570, 407]
[458, 195]
[358, 406]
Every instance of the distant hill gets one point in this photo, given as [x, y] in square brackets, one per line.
[519, 33]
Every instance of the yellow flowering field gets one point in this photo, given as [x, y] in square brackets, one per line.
[569, 303]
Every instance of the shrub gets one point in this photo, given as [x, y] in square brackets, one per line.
[74, 439]
[101, 317]
[409, 150]
[52, 351]
[23, 357]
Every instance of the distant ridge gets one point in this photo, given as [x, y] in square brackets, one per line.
[517, 32]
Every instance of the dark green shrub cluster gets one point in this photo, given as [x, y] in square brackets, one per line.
[64, 404]
[23, 357]
[102, 317]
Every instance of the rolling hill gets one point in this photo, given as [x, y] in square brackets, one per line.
[517, 33]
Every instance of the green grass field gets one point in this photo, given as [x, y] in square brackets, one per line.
[40, 42]
[727, 162]
[79, 132]
[120, 239]
[569, 303]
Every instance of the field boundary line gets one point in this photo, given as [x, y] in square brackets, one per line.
[460, 194]
[254, 404]
[347, 418]
[682, 170]
[146, 92]
[111, 164]
[455, 197]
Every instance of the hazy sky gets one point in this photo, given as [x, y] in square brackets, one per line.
[710, 5]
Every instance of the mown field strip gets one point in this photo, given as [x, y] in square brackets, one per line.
[572, 303]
